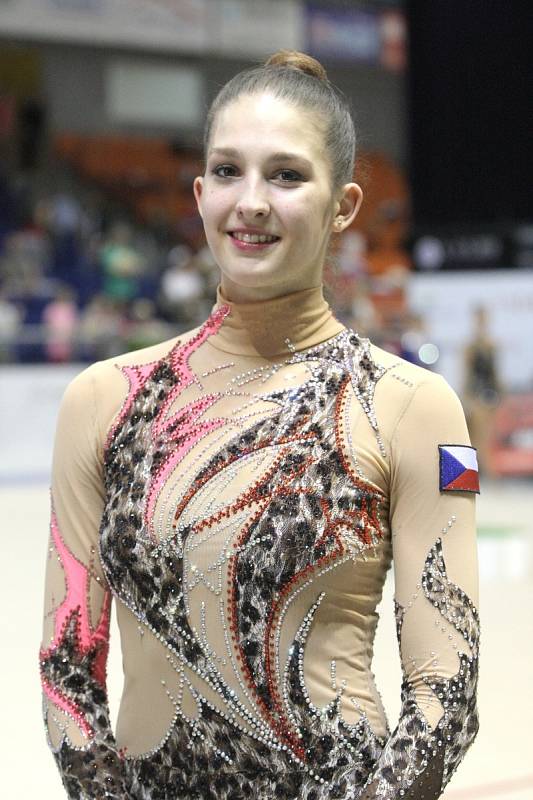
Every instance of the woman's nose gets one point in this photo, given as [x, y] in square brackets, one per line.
[252, 202]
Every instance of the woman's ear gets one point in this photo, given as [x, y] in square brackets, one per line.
[347, 206]
[197, 187]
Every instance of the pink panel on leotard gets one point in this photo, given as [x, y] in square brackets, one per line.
[185, 424]
[137, 377]
[189, 432]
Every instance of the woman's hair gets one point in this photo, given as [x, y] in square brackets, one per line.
[302, 81]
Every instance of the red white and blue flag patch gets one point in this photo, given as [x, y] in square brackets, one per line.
[458, 470]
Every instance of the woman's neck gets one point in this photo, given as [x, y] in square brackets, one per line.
[261, 328]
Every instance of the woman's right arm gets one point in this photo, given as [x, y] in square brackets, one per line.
[77, 606]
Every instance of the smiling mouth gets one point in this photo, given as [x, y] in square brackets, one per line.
[254, 238]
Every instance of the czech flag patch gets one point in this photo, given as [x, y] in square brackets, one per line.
[458, 470]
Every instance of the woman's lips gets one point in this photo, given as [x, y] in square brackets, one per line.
[251, 246]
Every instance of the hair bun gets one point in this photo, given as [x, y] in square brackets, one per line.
[296, 60]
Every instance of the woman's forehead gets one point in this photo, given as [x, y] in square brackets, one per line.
[270, 124]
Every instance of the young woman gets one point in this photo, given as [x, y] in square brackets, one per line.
[241, 490]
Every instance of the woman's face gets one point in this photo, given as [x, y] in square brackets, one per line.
[267, 174]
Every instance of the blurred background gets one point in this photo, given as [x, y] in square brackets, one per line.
[102, 105]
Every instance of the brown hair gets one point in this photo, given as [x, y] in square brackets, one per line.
[303, 81]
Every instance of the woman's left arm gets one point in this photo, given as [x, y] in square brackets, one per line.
[433, 487]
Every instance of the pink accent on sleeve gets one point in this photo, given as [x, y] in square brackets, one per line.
[87, 638]
[77, 580]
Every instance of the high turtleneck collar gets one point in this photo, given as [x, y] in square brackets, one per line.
[260, 328]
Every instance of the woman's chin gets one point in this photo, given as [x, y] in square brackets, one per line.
[251, 275]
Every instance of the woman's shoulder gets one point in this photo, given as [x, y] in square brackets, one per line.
[405, 372]
[406, 387]
[101, 389]
[101, 372]
[146, 355]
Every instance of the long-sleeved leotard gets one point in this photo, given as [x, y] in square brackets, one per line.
[242, 506]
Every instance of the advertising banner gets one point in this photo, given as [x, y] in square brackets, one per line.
[369, 35]
[256, 28]
[229, 27]
[180, 25]
[343, 34]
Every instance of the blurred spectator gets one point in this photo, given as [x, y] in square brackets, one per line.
[210, 272]
[386, 248]
[389, 297]
[122, 264]
[25, 259]
[413, 338]
[10, 322]
[31, 122]
[352, 254]
[346, 269]
[100, 330]
[8, 204]
[182, 286]
[60, 319]
[145, 328]
[482, 388]
[32, 295]
[363, 311]
[384, 217]
[62, 216]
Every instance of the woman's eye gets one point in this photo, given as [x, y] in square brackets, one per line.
[224, 171]
[283, 175]
[289, 175]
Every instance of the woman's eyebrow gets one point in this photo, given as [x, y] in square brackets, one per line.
[289, 157]
[231, 152]
[225, 151]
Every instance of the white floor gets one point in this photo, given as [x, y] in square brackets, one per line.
[500, 763]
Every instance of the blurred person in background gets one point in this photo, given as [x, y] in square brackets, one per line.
[412, 338]
[182, 286]
[60, 319]
[364, 317]
[208, 269]
[10, 322]
[349, 272]
[65, 222]
[122, 264]
[482, 387]
[101, 329]
[31, 124]
[144, 327]
[24, 267]
[25, 259]
[241, 490]
[9, 210]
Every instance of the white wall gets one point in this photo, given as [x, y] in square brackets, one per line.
[29, 402]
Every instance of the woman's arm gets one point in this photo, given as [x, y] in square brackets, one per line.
[77, 608]
[433, 486]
